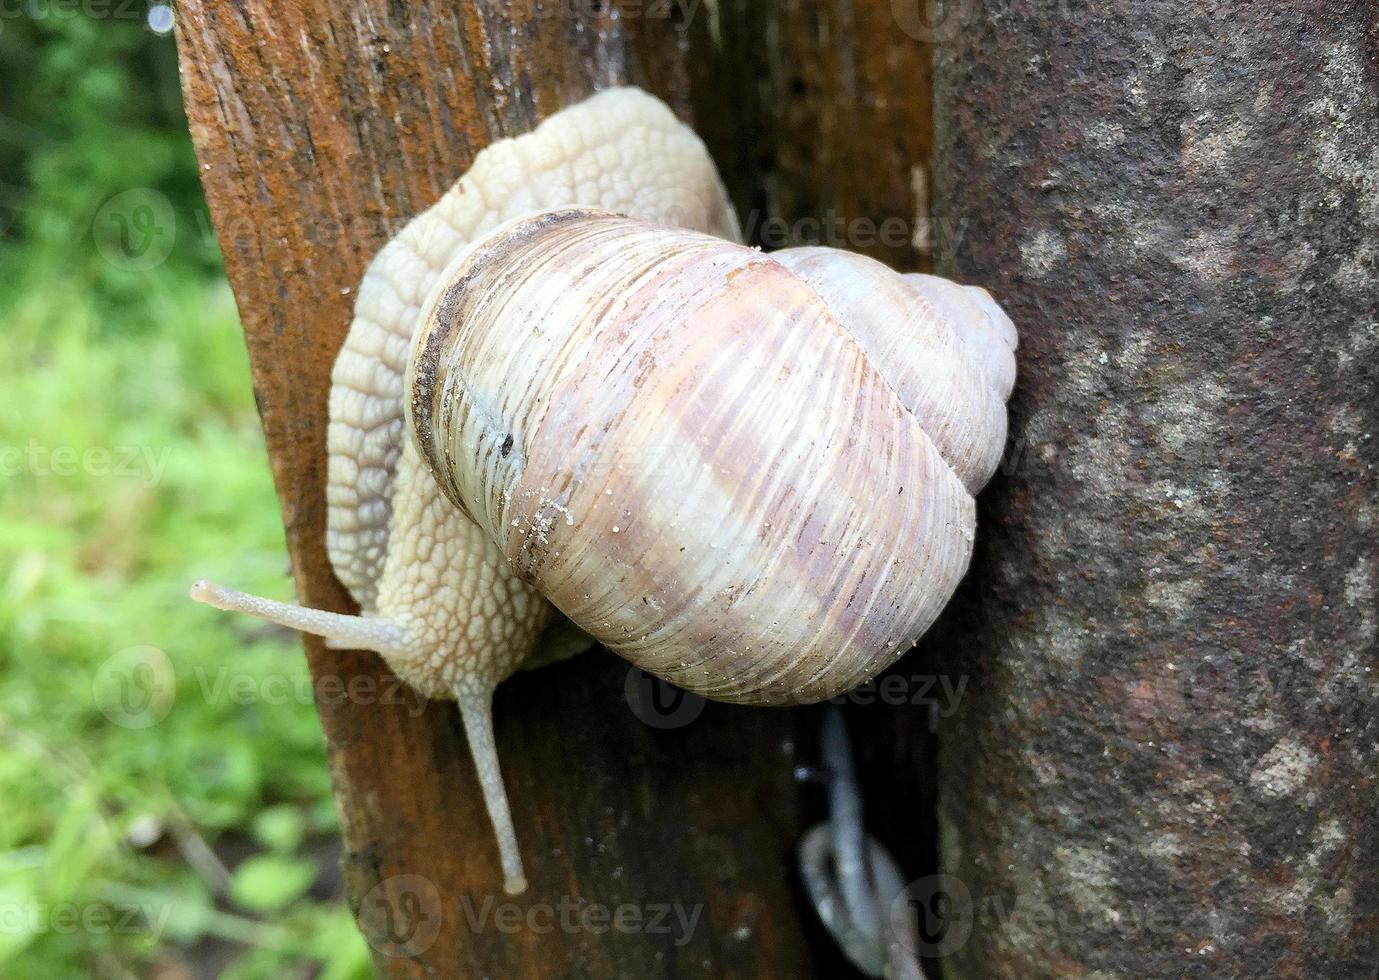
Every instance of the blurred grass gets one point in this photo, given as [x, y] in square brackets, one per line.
[147, 745]
[98, 561]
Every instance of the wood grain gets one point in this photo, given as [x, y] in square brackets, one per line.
[320, 130]
[820, 117]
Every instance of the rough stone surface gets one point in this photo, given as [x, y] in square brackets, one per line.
[1166, 765]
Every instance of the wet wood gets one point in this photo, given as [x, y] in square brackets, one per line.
[820, 118]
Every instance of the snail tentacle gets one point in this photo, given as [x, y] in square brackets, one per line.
[476, 711]
[341, 631]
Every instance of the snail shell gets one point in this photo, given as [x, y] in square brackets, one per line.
[714, 461]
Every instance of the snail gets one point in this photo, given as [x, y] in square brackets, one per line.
[572, 407]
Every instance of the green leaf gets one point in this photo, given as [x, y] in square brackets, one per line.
[268, 882]
[280, 828]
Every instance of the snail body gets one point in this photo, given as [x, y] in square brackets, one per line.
[568, 392]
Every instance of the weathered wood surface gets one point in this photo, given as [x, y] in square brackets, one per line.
[1167, 765]
[321, 129]
[820, 118]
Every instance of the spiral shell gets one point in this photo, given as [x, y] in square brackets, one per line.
[716, 462]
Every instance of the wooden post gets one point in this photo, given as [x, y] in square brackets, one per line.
[820, 118]
[321, 130]
[1167, 762]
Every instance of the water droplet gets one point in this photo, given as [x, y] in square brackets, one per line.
[159, 18]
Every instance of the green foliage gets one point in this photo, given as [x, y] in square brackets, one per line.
[269, 882]
[165, 792]
[133, 465]
[90, 108]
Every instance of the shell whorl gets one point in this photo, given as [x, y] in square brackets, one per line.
[687, 450]
[620, 149]
[946, 363]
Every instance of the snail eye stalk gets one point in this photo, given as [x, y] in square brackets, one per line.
[340, 631]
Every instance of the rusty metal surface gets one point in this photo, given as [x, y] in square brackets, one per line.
[1166, 765]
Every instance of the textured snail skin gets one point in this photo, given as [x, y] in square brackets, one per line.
[678, 440]
[438, 599]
